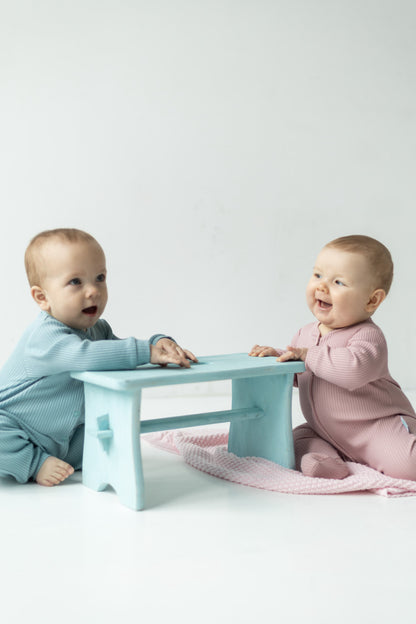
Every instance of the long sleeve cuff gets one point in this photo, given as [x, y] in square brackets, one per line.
[143, 352]
[153, 339]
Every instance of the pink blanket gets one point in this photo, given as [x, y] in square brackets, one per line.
[206, 450]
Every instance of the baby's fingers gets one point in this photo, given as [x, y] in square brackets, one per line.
[286, 356]
[259, 351]
[254, 350]
[181, 357]
[266, 352]
[190, 355]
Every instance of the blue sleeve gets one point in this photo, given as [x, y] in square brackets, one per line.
[55, 348]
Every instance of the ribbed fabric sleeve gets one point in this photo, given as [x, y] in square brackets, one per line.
[360, 362]
[56, 350]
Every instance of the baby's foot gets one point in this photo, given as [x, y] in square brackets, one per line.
[53, 471]
[324, 467]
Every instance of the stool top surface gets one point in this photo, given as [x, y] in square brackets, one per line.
[208, 368]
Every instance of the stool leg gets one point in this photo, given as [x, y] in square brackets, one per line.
[271, 436]
[112, 454]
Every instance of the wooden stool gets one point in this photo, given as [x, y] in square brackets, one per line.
[260, 418]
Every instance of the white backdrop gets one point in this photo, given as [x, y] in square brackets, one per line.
[212, 147]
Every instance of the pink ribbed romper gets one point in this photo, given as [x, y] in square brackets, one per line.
[352, 405]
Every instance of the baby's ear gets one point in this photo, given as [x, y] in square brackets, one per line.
[40, 297]
[376, 298]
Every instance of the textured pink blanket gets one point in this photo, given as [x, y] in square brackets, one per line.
[206, 450]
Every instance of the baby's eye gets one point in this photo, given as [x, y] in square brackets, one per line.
[101, 277]
[317, 275]
[75, 281]
[339, 283]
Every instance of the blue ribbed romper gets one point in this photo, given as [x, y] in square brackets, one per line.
[41, 406]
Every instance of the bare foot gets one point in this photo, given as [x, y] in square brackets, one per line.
[53, 471]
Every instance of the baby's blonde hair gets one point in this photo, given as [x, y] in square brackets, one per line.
[378, 256]
[32, 254]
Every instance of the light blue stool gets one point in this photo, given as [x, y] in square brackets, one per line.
[260, 418]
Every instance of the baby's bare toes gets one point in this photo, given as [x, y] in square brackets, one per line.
[53, 471]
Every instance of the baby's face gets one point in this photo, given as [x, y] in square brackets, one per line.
[340, 289]
[74, 289]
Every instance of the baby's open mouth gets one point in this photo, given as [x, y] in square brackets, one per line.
[91, 311]
[323, 304]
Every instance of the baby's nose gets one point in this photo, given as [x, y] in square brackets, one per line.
[91, 290]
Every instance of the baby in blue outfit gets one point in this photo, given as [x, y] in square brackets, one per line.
[41, 406]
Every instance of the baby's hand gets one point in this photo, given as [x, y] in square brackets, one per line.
[293, 353]
[258, 351]
[166, 351]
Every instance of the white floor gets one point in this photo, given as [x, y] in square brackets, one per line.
[204, 550]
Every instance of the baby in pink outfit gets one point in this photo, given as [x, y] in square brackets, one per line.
[353, 408]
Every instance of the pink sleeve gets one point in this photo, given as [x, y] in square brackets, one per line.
[350, 367]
